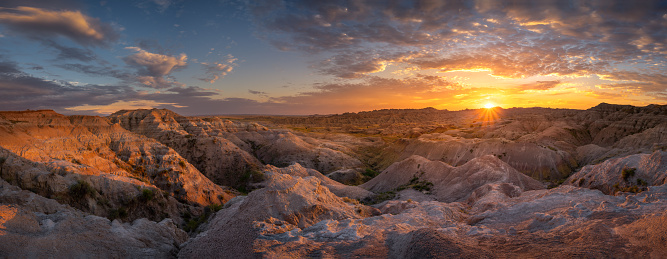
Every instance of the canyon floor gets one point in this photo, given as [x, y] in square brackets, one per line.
[426, 183]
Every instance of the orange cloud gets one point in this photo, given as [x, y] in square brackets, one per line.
[153, 67]
[71, 24]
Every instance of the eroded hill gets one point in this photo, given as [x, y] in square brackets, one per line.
[429, 183]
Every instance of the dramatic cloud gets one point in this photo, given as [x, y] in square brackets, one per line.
[357, 64]
[44, 24]
[154, 67]
[217, 70]
[508, 39]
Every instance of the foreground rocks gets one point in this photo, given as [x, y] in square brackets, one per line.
[33, 226]
[297, 217]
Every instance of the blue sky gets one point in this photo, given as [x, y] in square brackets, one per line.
[307, 57]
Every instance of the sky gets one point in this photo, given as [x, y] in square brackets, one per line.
[325, 57]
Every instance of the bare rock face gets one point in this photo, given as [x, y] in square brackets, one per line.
[200, 141]
[611, 123]
[631, 173]
[100, 167]
[550, 160]
[335, 187]
[33, 226]
[447, 183]
[567, 221]
[282, 148]
[224, 151]
[286, 204]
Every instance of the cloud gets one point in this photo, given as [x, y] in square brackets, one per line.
[539, 86]
[509, 39]
[65, 53]
[23, 91]
[45, 24]
[100, 71]
[154, 67]
[8, 68]
[217, 70]
[359, 63]
[260, 93]
[162, 4]
[653, 84]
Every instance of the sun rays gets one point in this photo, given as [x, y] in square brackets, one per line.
[489, 114]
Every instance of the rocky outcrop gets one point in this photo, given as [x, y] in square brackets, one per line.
[631, 173]
[286, 204]
[567, 220]
[199, 141]
[335, 187]
[282, 148]
[450, 184]
[33, 226]
[225, 151]
[100, 167]
[540, 161]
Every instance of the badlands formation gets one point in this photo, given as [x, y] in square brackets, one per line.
[520, 182]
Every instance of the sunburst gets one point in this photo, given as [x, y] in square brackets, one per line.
[489, 115]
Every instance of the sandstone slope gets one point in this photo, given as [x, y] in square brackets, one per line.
[450, 184]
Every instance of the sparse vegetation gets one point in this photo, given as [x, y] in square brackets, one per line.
[249, 177]
[193, 223]
[380, 197]
[641, 182]
[416, 184]
[147, 195]
[628, 172]
[81, 189]
[119, 213]
[215, 207]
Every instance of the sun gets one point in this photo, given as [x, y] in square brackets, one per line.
[489, 105]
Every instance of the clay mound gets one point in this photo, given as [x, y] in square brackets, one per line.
[289, 202]
[449, 183]
[33, 226]
[282, 148]
[608, 123]
[551, 160]
[648, 140]
[337, 188]
[201, 142]
[630, 173]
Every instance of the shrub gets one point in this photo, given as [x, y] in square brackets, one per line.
[181, 163]
[370, 173]
[147, 194]
[118, 213]
[416, 184]
[628, 172]
[641, 182]
[81, 189]
[215, 207]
